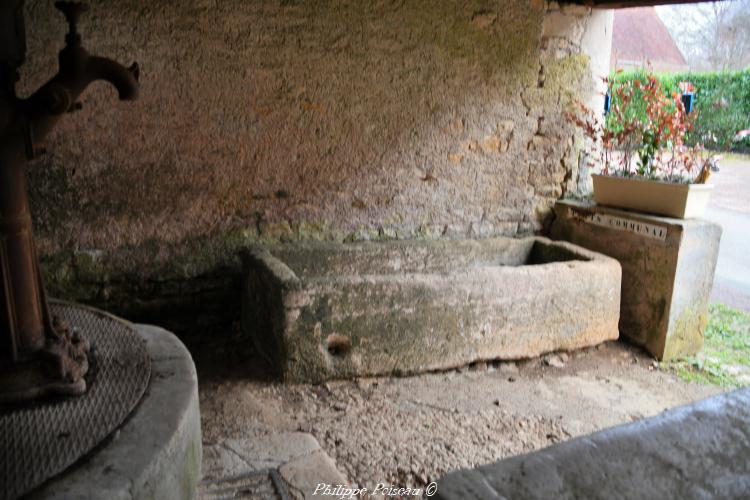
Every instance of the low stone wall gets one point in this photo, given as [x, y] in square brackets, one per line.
[184, 297]
[695, 451]
[322, 311]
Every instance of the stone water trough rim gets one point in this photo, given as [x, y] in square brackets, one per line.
[291, 279]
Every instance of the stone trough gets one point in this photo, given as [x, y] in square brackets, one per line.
[321, 311]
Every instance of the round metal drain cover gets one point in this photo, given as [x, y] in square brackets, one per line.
[40, 440]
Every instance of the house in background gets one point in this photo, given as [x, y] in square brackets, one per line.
[640, 38]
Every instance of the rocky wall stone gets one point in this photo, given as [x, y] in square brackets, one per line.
[279, 120]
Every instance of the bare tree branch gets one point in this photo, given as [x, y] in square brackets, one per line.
[712, 36]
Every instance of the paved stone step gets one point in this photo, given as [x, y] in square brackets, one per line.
[278, 465]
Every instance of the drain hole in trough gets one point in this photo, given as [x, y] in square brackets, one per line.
[338, 345]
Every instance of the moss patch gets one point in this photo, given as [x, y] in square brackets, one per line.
[563, 79]
[725, 358]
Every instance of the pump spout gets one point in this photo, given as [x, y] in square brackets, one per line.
[125, 80]
[77, 70]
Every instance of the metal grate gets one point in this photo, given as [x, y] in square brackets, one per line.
[261, 485]
[40, 440]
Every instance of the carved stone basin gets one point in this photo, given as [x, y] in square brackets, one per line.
[319, 311]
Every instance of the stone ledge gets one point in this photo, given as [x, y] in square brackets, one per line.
[157, 452]
[694, 451]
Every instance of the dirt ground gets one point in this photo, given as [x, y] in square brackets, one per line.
[410, 431]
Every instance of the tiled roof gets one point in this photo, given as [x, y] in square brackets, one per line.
[640, 35]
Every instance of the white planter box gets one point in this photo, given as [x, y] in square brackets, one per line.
[683, 201]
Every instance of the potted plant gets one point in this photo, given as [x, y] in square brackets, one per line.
[644, 163]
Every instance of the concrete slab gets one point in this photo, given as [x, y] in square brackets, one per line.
[157, 452]
[667, 271]
[304, 475]
[695, 451]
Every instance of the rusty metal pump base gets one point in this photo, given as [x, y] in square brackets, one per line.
[39, 439]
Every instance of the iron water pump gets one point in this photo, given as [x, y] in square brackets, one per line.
[39, 354]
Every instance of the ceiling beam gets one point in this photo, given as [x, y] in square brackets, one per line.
[624, 4]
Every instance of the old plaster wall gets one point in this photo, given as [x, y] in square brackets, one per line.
[299, 119]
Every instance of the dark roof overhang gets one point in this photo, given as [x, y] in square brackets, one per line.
[624, 4]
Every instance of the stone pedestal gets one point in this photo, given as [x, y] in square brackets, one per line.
[667, 271]
[157, 452]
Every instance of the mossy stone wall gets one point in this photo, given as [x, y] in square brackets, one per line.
[299, 119]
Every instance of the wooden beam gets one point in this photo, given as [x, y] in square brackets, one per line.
[624, 4]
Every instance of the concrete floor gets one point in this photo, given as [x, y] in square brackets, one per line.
[730, 207]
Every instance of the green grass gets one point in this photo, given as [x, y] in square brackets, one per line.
[725, 357]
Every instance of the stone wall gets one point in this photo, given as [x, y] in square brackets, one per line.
[301, 119]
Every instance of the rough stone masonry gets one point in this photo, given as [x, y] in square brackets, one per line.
[311, 119]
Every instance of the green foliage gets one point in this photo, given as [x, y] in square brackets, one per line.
[648, 124]
[722, 104]
[725, 358]
[742, 146]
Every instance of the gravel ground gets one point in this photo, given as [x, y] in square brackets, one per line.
[410, 431]
[411, 443]
[730, 207]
